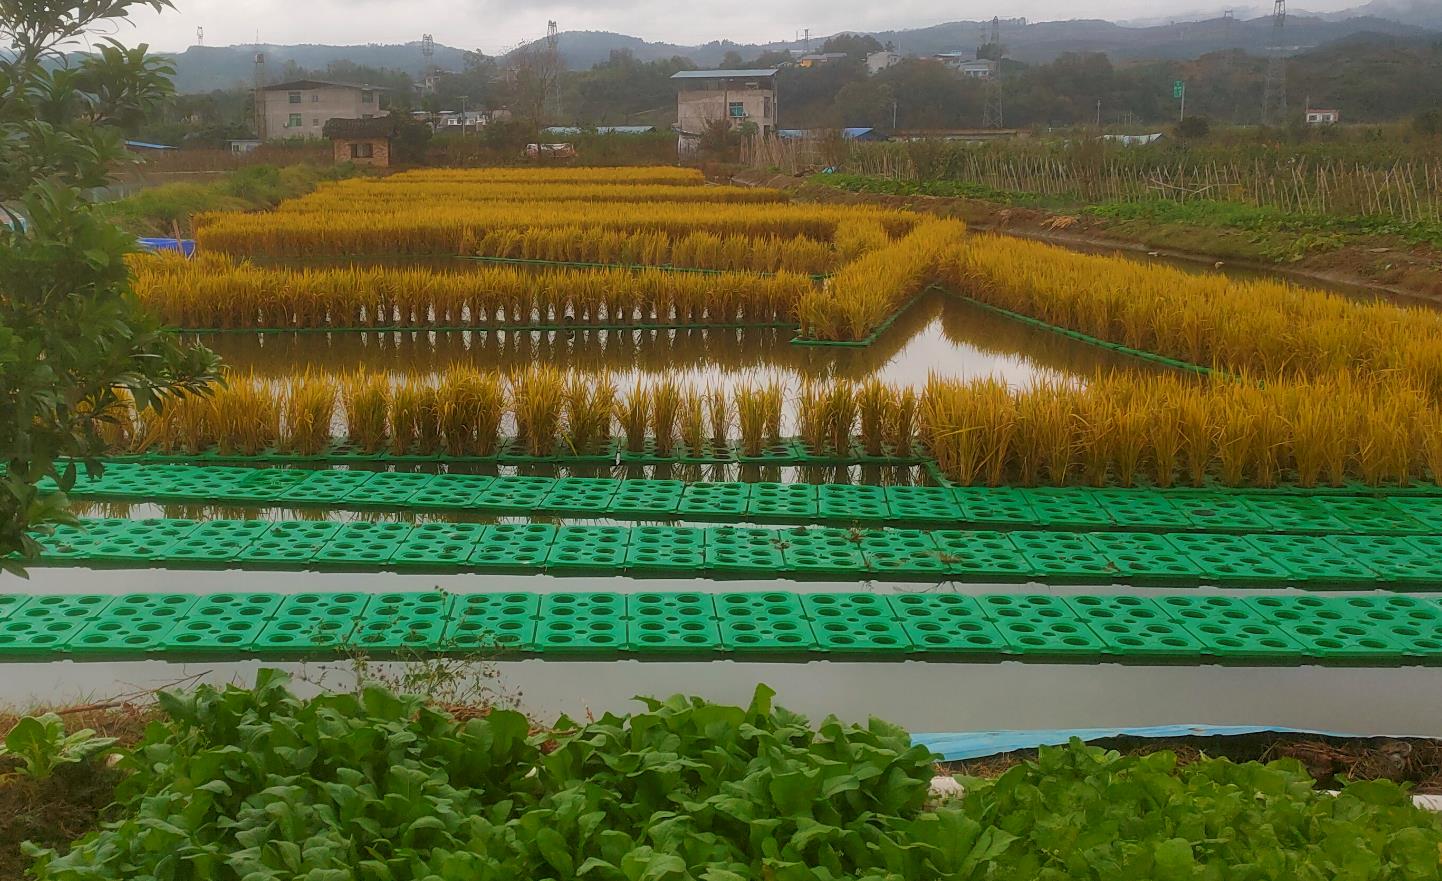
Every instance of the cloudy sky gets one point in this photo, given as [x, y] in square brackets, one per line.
[496, 25]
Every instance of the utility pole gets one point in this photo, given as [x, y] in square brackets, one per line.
[200, 36]
[1099, 113]
[259, 93]
[1274, 95]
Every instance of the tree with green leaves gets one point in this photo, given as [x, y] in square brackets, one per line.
[74, 341]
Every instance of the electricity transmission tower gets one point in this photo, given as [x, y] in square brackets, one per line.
[553, 68]
[991, 110]
[428, 72]
[1274, 95]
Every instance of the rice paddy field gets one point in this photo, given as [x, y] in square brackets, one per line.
[622, 430]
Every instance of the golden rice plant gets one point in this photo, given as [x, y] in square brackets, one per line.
[633, 413]
[366, 397]
[590, 402]
[876, 402]
[308, 406]
[691, 421]
[811, 426]
[670, 175]
[470, 406]
[665, 413]
[840, 416]
[537, 396]
[773, 402]
[752, 413]
[1163, 431]
[246, 416]
[1200, 427]
[902, 426]
[718, 416]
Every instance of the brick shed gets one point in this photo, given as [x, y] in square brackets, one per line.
[363, 141]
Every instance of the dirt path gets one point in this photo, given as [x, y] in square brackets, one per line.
[1372, 265]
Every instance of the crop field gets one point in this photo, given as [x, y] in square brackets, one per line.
[639, 375]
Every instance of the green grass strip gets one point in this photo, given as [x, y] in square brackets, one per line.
[776, 625]
[1091, 340]
[1179, 558]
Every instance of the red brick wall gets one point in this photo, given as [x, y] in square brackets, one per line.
[380, 151]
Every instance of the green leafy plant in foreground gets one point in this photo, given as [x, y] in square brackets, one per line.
[256, 784]
[41, 745]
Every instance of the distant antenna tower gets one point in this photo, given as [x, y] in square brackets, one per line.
[553, 66]
[1274, 95]
[200, 36]
[260, 95]
[428, 70]
[991, 116]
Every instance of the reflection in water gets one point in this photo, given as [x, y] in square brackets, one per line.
[940, 334]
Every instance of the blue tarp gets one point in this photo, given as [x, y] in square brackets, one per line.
[184, 246]
[978, 744]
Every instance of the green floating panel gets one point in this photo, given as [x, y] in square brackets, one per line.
[995, 506]
[1220, 512]
[743, 551]
[403, 621]
[823, 551]
[512, 546]
[783, 502]
[903, 553]
[387, 488]
[1426, 510]
[266, 484]
[438, 546]
[582, 623]
[215, 542]
[844, 501]
[483, 622]
[714, 501]
[451, 492]
[923, 504]
[307, 621]
[654, 499]
[1412, 622]
[516, 493]
[1135, 627]
[289, 543]
[1415, 561]
[1284, 512]
[131, 623]
[362, 545]
[947, 623]
[222, 623]
[45, 624]
[1229, 559]
[1067, 508]
[1229, 628]
[1141, 509]
[589, 548]
[666, 549]
[1313, 559]
[326, 487]
[1040, 625]
[10, 603]
[855, 622]
[139, 540]
[764, 623]
[672, 622]
[189, 482]
[1064, 556]
[580, 495]
[982, 555]
[1370, 515]
[1330, 628]
[1146, 558]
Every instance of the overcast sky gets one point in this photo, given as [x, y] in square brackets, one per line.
[496, 25]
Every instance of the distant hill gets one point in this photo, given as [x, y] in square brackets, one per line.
[202, 69]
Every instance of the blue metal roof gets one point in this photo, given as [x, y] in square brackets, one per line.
[856, 132]
[142, 145]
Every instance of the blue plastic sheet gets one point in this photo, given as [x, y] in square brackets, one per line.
[977, 744]
[184, 246]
